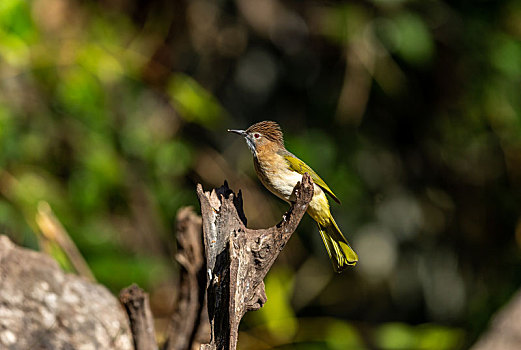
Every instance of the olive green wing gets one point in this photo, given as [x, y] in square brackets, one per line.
[301, 168]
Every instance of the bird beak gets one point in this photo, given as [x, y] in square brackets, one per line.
[240, 132]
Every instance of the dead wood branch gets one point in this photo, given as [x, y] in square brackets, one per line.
[137, 305]
[189, 309]
[53, 230]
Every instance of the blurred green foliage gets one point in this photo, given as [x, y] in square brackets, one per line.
[112, 111]
[194, 103]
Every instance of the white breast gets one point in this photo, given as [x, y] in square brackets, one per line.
[282, 183]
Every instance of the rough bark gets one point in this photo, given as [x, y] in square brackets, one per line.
[238, 258]
[137, 305]
[504, 332]
[41, 307]
[189, 320]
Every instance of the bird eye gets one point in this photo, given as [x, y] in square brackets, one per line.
[256, 136]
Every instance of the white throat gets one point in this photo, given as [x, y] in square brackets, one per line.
[251, 145]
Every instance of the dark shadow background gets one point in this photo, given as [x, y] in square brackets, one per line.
[112, 111]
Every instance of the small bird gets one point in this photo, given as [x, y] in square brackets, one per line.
[279, 171]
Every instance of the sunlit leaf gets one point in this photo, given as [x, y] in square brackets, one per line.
[14, 50]
[278, 315]
[412, 38]
[342, 335]
[433, 337]
[506, 55]
[100, 62]
[396, 336]
[193, 102]
[15, 19]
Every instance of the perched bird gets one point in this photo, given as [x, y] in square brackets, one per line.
[279, 171]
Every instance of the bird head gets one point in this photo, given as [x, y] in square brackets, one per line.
[261, 134]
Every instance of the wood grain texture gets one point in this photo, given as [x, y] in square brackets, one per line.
[137, 305]
[238, 258]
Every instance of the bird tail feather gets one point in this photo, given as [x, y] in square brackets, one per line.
[338, 249]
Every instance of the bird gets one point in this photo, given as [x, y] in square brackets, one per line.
[280, 170]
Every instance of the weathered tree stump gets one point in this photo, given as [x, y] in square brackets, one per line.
[238, 258]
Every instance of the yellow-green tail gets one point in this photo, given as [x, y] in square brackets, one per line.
[340, 253]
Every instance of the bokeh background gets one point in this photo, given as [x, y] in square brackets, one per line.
[112, 111]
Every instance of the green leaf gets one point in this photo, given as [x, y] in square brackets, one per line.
[278, 315]
[395, 336]
[15, 19]
[506, 55]
[194, 103]
[412, 39]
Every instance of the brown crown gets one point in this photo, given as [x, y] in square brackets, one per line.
[269, 129]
